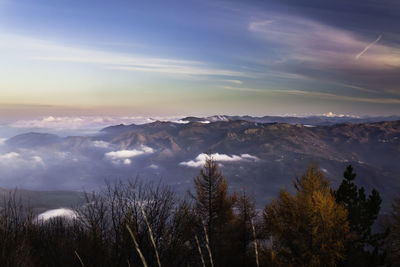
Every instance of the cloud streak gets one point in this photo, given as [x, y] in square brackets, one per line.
[368, 47]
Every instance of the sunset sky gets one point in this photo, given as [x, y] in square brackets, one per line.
[67, 58]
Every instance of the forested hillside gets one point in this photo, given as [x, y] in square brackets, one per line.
[136, 223]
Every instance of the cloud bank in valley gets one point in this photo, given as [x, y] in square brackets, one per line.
[200, 160]
[85, 122]
[56, 213]
[15, 159]
[124, 156]
[101, 144]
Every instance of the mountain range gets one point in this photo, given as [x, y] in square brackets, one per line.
[314, 120]
[262, 154]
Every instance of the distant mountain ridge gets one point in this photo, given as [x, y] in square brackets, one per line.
[262, 156]
[26, 140]
[307, 120]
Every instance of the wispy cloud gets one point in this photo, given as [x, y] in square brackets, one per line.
[315, 94]
[234, 81]
[246, 89]
[309, 40]
[41, 50]
[182, 69]
[9, 156]
[324, 53]
[340, 97]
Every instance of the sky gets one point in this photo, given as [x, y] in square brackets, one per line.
[171, 58]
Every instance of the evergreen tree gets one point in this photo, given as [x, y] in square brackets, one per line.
[362, 213]
[393, 239]
[246, 215]
[214, 207]
[308, 228]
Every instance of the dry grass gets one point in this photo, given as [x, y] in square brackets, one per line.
[208, 245]
[199, 248]
[255, 242]
[79, 258]
[137, 246]
[151, 234]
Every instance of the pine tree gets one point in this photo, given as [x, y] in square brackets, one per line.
[393, 239]
[308, 228]
[214, 206]
[246, 214]
[362, 213]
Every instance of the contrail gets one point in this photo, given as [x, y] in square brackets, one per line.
[368, 47]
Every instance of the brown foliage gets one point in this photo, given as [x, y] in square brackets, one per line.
[308, 228]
